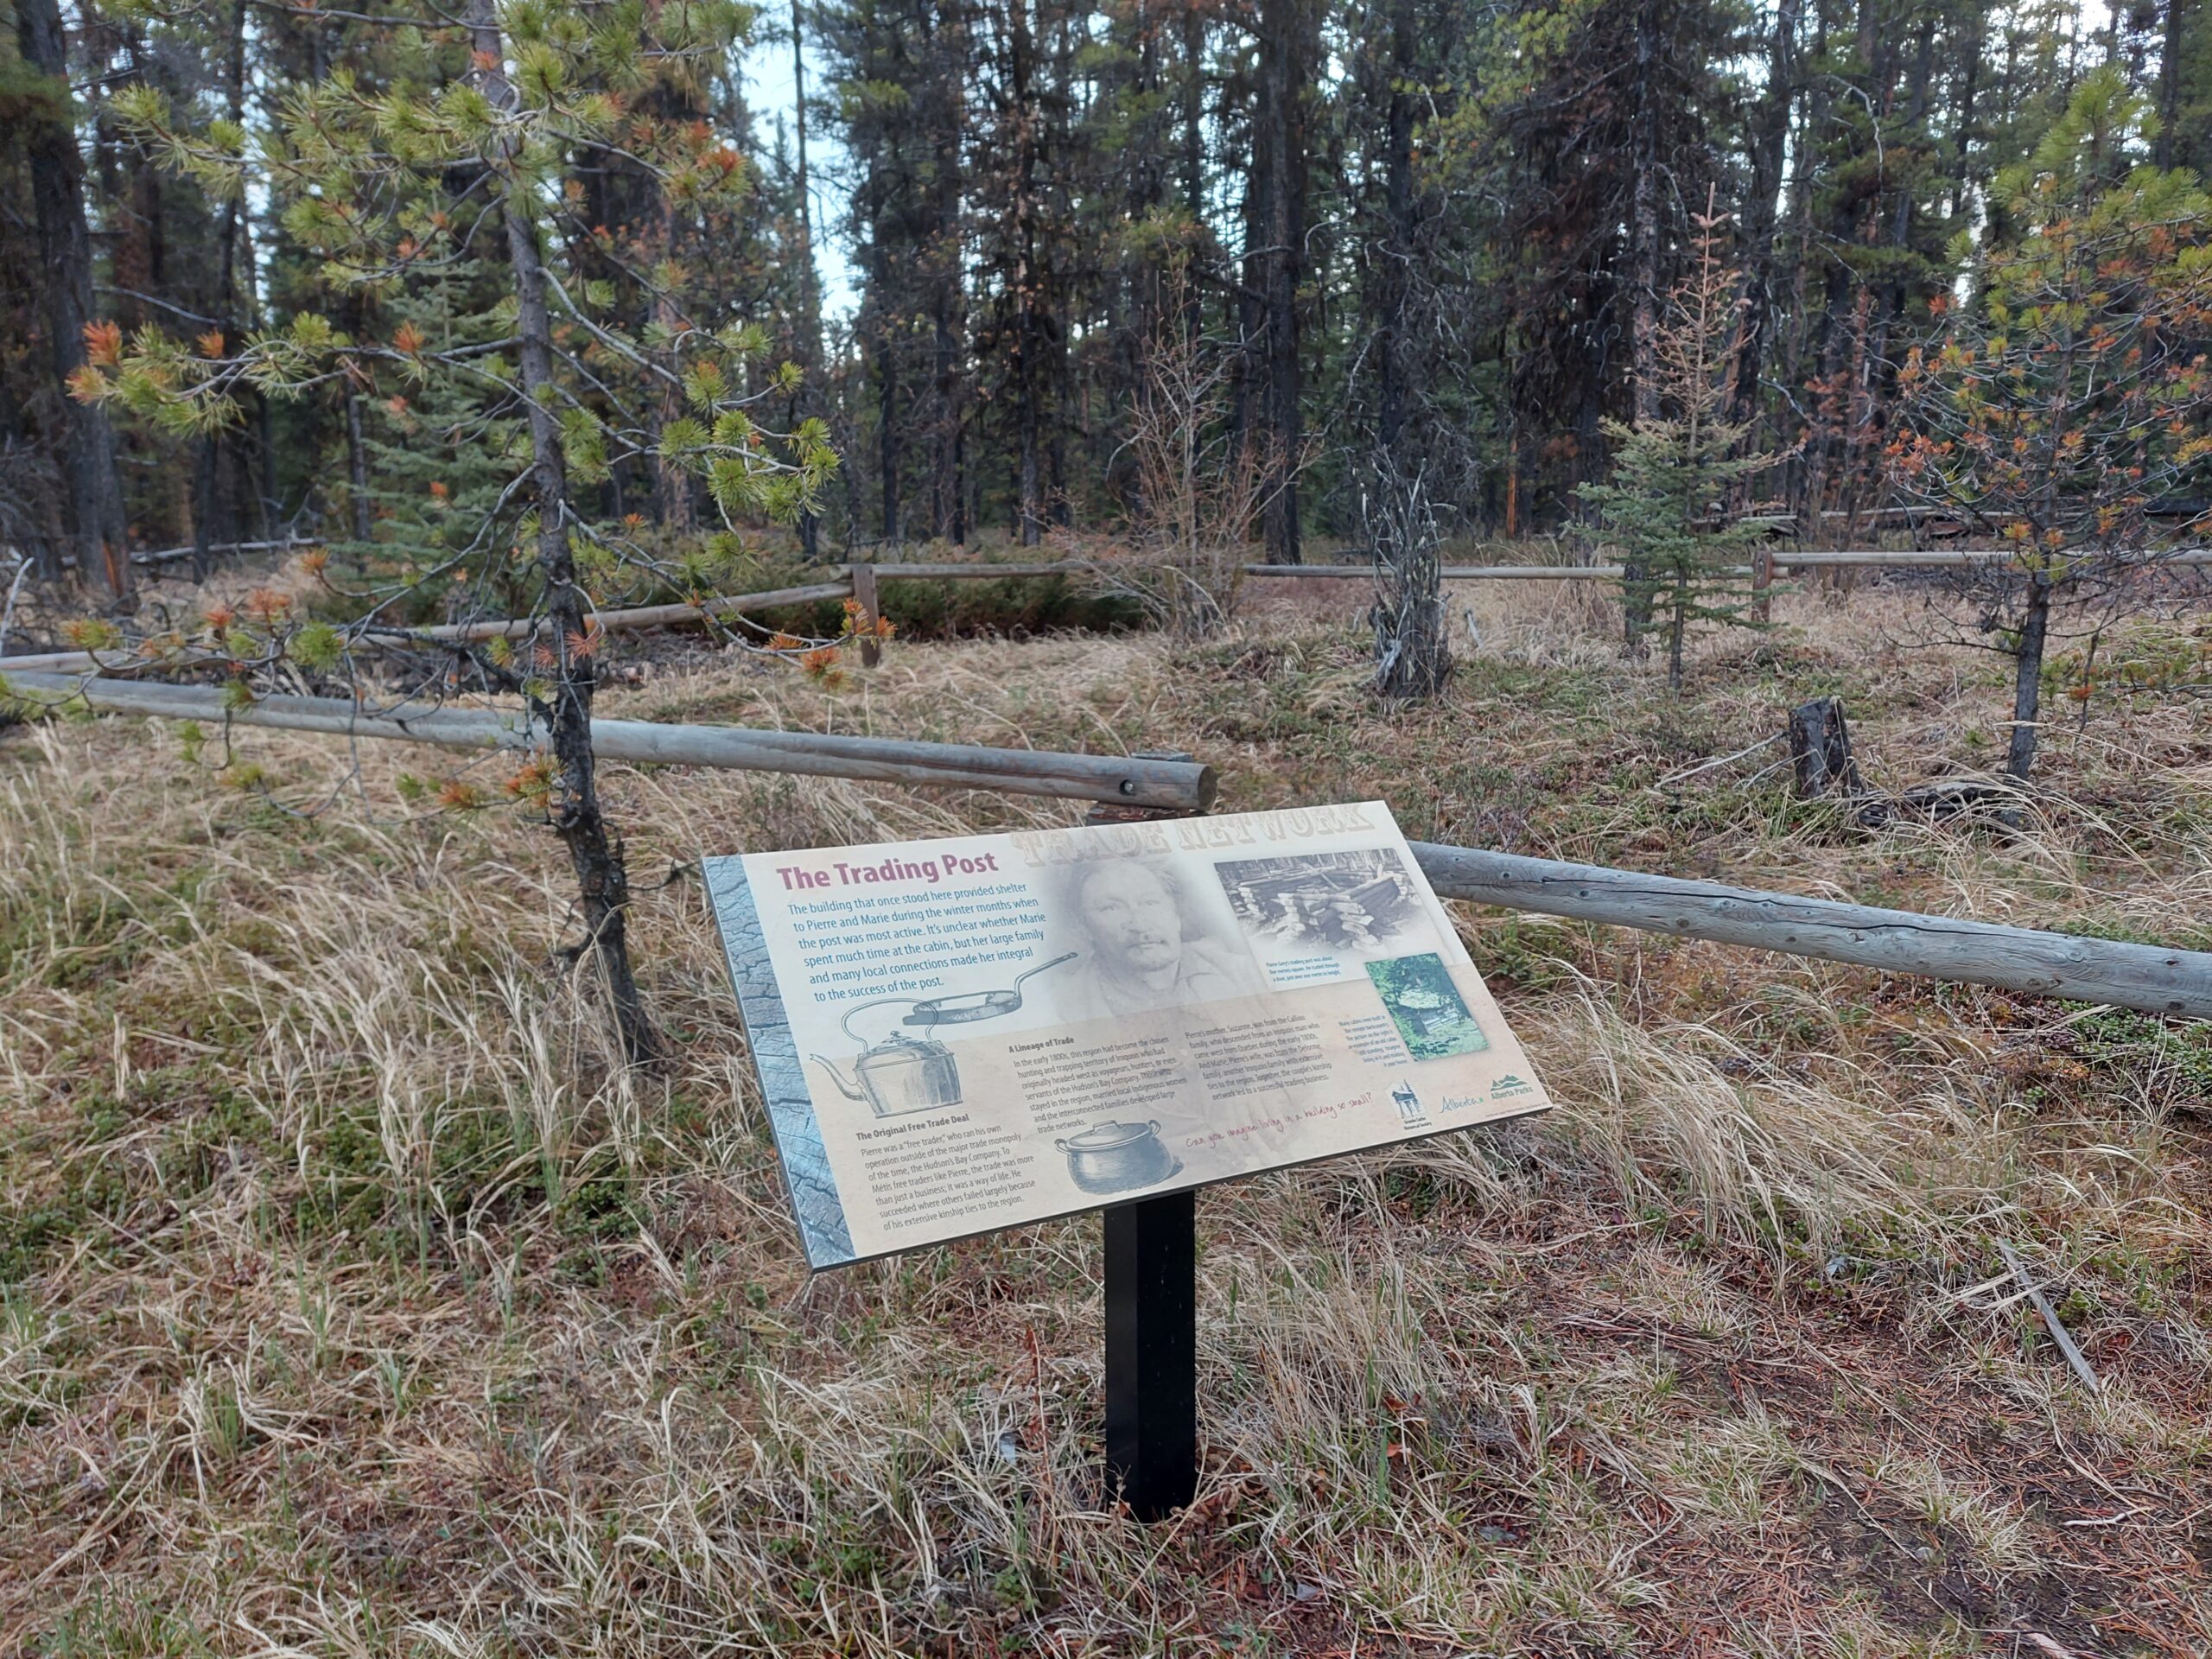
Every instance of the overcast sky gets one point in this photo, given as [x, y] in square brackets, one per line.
[769, 86]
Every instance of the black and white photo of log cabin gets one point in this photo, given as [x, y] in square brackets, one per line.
[1352, 903]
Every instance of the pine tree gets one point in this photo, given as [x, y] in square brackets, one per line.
[436, 456]
[1678, 475]
[2072, 395]
[461, 156]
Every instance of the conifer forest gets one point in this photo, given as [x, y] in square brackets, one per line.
[1422, 236]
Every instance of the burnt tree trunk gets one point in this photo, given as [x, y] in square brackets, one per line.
[1819, 749]
[602, 882]
[92, 496]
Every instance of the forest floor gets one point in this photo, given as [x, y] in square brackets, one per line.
[353, 1305]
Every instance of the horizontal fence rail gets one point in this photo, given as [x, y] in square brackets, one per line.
[980, 572]
[1866, 558]
[1180, 785]
[2154, 979]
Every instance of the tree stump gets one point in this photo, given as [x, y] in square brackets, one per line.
[1820, 748]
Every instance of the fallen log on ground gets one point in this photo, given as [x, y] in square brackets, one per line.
[680, 614]
[378, 637]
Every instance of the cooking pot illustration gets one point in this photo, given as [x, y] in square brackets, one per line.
[918, 1074]
[1119, 1157]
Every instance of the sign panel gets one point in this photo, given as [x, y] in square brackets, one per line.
[960, 1035]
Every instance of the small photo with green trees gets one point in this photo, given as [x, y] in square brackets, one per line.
[1432, 1017]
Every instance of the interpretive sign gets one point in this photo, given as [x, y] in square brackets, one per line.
[960, 1035]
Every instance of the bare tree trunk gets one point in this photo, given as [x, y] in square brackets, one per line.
[810, 320]
[208, 506]
[1413, 651]
[1193, 92]
[2169, 88]
[887, 430]
[92, 504]
[948, 298]
[1643, 227]
[676, 503]
[1761, 211]
[1643, 299]
[1969, 80]
[1247, 416]
[356, 470]
[1282, 154]
[1028, 276]
[947, 488]
[1398, 250]
[1031, 478]
[603, 883]
[2027, 678]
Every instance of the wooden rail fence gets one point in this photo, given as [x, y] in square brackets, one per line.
[2155, 979]
[1124, 780]
[861, 578]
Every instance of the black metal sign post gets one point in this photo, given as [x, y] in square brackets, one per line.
[1152, 1322]
[1152, 1353]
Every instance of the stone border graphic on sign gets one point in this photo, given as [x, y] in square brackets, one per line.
[800, 1148]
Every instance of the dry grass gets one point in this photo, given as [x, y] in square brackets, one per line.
[353, 1305]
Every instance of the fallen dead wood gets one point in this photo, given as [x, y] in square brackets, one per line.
[976, 572]
[681, 615]
[2058, 1332]
[375, 637]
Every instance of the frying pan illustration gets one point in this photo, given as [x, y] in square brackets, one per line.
[975, 1005]
[955, 1010]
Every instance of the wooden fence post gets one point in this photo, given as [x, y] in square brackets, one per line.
[864, 593]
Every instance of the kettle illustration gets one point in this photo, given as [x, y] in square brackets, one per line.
[918, 1074]
[900, 1074]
